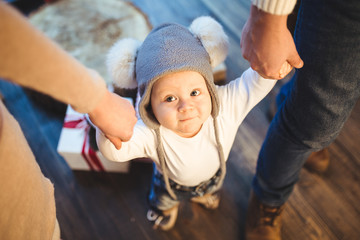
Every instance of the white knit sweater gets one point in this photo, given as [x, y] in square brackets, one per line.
[277, 7]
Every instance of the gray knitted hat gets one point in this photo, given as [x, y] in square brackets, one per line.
[167, 49]
[170, 48]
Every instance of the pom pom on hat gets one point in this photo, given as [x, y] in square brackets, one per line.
[121, 62]
[212, 37]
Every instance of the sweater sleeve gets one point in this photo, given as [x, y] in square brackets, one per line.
[277, 7]
[141, 144]
[30, 59]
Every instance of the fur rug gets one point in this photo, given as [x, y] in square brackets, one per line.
[88, 28]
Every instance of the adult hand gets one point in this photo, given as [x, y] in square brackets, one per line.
[115, 117]
[268, 45]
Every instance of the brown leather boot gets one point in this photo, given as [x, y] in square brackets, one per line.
[262, 222]
[318, 161]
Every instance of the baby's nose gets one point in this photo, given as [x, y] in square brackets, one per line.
[185, 105]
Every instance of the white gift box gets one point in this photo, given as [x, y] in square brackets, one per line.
[75, 148]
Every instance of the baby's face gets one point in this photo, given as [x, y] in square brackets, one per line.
[181, 102]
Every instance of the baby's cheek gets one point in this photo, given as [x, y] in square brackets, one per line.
[206, 108]
[166, 117]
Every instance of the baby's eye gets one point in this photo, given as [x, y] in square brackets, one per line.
[170, 99]
[195, 93]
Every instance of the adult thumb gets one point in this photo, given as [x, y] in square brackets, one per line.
[116, 141]
[295, 60]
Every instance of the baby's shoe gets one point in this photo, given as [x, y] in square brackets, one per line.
[209, 201]
[164, 220]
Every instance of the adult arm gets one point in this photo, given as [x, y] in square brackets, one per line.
[266, 41]
[30, 59]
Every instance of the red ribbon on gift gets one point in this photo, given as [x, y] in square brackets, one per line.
[73, 121]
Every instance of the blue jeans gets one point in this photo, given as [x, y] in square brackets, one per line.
[160, 199]
[318, 99]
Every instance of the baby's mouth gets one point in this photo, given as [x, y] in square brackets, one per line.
[187, 119]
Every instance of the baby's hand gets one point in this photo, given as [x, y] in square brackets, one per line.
[285, 69]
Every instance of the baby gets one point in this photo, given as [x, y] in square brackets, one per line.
[187, 124]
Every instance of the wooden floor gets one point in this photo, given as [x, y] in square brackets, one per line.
[113, 206]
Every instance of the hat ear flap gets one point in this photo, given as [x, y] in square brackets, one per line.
[120, 62]
[212, 37]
